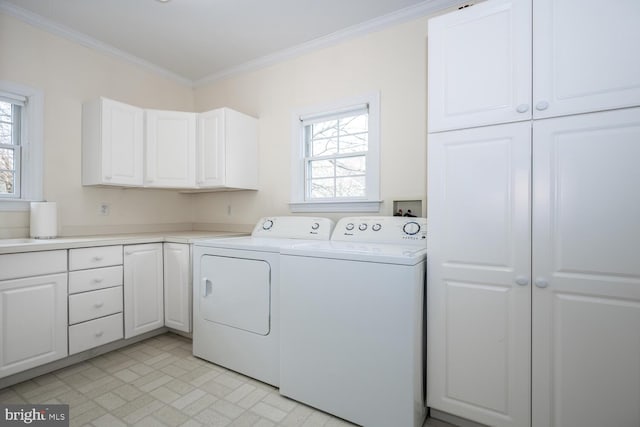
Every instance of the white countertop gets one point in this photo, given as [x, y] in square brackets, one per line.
[8, 246]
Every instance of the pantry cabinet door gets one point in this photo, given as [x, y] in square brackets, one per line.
[480, 65]
[586, 270]
[478, 274]
[585, 56]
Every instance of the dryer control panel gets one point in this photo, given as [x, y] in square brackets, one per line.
[294, 227]
[381, 229]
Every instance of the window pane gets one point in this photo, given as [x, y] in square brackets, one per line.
[7, 159]
[322, 169]
[324, 147]
[6, 182]
[324, 129]
[5, 111]
[5, 134]
[354, 143]
[351, 166]
[354, 124]
[322, 188]
[350, 187]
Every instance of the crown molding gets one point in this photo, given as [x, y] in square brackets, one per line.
[43, 23]
[419, 10]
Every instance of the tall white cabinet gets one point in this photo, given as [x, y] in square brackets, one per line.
[177, 286]
[533, 276]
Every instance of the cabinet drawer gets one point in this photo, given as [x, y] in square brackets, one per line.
[94, 304]
[94, 333]
[13, 266]
[94, 278]
[81, 259]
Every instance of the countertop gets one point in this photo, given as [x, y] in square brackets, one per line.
[8, 246]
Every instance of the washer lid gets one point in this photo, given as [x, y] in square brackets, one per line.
[368, 252]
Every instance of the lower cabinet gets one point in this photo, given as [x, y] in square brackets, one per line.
[33, 322]
[143, 289]
[177, 286]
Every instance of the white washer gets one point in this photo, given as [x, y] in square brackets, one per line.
[236, 294]
[352, 324]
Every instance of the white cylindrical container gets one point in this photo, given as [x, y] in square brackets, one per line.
[44, 220]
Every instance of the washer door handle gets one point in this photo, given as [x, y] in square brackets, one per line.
[206, 287]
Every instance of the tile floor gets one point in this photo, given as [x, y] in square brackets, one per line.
[158, 382]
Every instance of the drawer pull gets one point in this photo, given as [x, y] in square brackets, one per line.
[97, 258]
[97, 280]
[99, 334]
[98, 304]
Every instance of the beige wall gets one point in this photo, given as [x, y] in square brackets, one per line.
[392, 62]
[69, 74]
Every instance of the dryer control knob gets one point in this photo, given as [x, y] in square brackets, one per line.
[411, 228]
[349, 226]
[267, 224]
[315, 226]
[362, 227]
[376, 227]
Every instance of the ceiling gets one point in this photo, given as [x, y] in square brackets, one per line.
[201, 40]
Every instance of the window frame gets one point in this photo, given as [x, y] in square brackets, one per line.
[31, 147]
[371, 201]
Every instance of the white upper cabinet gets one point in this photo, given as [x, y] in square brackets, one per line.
[481, 72]
[112, 143]
[227, 150]
[170, 145]
[480, 65]
[585, 56]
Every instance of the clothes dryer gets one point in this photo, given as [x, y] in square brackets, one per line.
[236, 294]
[352, 322]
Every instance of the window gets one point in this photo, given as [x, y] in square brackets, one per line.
[336, 157]
[10, 127]
[20, 146]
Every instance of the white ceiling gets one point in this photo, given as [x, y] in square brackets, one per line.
[201, 40]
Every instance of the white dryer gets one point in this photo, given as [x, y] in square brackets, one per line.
[352, 322]
[236, 294]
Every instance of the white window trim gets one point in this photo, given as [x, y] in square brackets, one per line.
[369, 204]
[32, 147]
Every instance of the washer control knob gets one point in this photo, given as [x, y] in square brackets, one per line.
[376, 227]
[315, 226]
[267, 224]
[349, 226]
[362, 227]
[411, 228]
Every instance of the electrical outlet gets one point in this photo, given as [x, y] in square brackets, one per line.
[104, 209]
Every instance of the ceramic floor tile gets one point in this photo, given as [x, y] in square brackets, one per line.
[158, 382]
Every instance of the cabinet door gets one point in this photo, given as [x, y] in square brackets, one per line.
[122, 143]
[170, 149]
[211, 149]
[177, 286]
[586, 268]
[33, 322]
[585, 56]
[480, 65]
[143, 289]
[479, 264]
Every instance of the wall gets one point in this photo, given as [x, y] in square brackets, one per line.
[392, 61]
[69, 74]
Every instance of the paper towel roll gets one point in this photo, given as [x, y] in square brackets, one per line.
[44, 220]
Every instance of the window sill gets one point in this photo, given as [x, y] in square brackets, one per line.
[14, 205]
[337, 206]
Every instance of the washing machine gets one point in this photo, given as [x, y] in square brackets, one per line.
[236, 294]
[352, 322]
